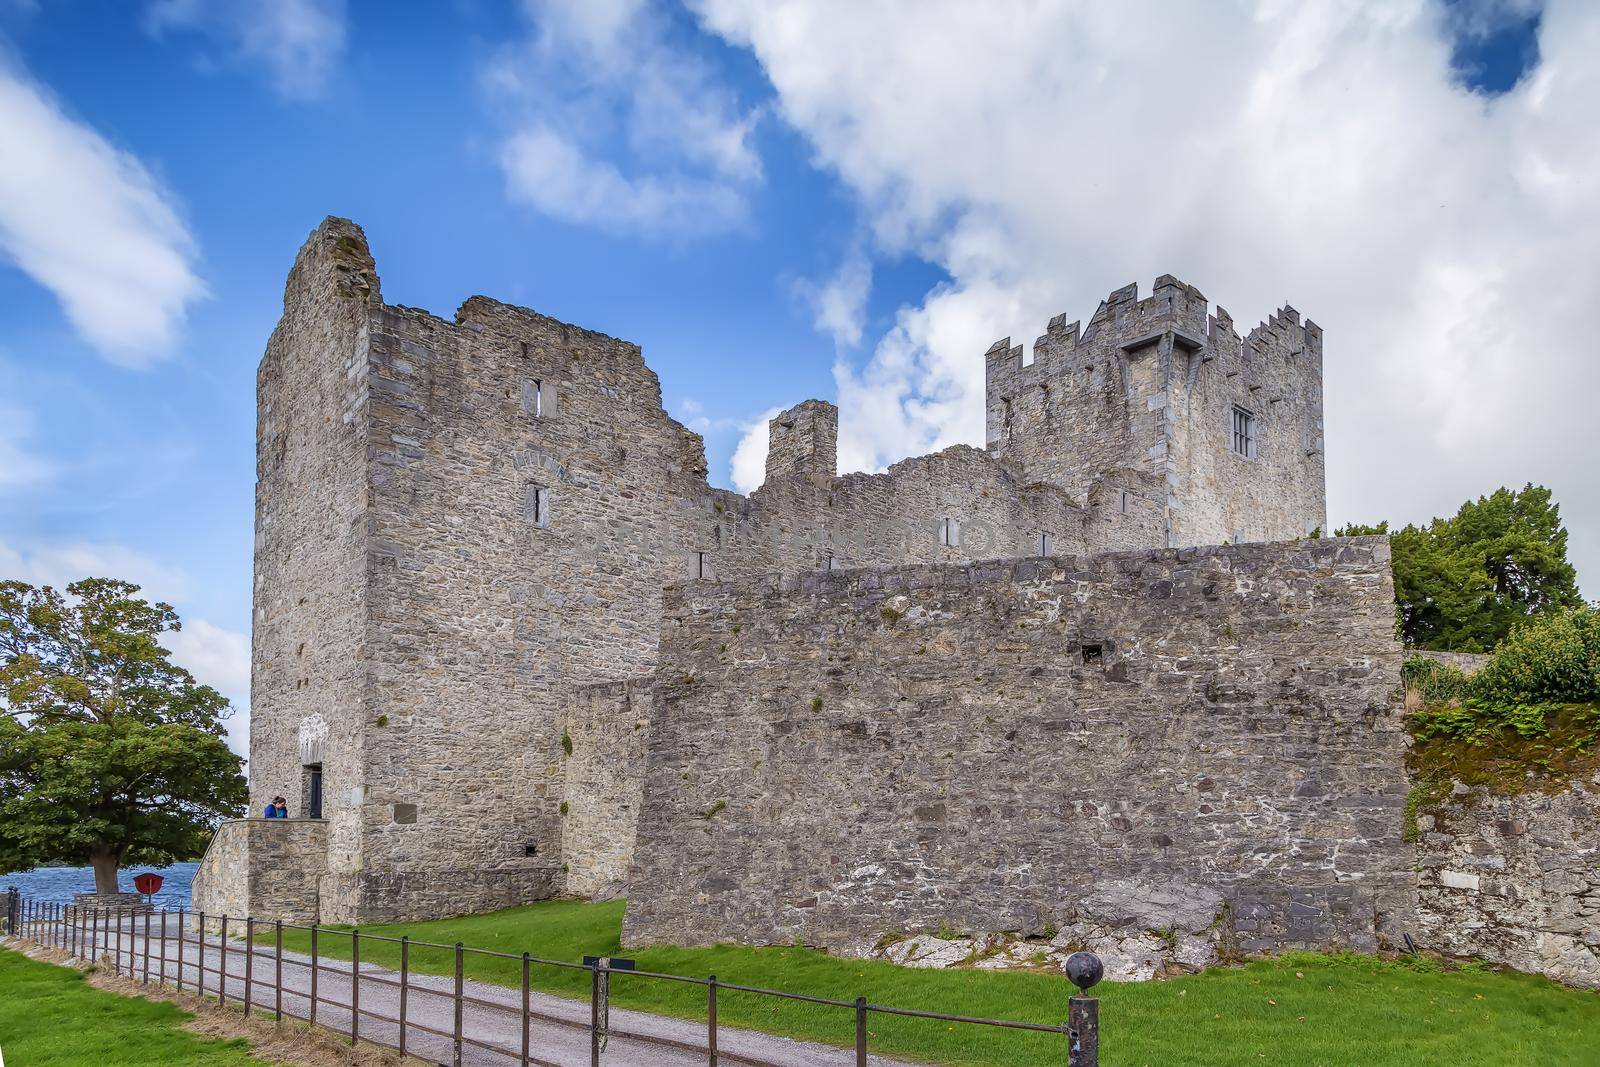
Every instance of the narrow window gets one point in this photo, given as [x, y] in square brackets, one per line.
[949, 532]
[1092, 655]
[1238, 537]
[1244, 433]
[1124, 501]
[702, 565]
[833, 562]
[538, 398]
[1047, 545]
[536, 508]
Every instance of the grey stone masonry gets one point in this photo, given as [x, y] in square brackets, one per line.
[1515, 880]
[1206, 741]
[804, 440]
[1153, 386]
[465, 526]
[263, 868]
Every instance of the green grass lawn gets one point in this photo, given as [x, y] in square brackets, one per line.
[51, 1017]
[1301, 1009]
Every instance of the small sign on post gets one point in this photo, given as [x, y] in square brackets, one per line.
[149, 884]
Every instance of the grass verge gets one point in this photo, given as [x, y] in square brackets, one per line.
[1299, 1010]
[51, 1017]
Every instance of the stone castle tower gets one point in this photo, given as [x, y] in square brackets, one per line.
[463, 527]
[1230, 429]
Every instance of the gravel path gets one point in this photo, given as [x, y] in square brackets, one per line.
[558, 1034]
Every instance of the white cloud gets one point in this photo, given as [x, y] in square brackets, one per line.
[19, 468]
[216, 656]
[614, 122]
[838, 303]
[748, 468]
[296, 41]
[61, 564]
[1321, 152]
[88, 222]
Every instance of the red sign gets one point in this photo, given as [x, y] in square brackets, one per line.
[147, 883]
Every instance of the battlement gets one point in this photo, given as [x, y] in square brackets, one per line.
[1164, 385]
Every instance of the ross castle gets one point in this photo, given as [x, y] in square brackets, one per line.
[1103, 674]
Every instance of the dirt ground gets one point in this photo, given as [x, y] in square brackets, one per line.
[291, 1042]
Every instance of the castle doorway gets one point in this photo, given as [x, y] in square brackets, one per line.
[311, 791]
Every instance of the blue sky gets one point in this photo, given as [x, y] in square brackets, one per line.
[779, 201]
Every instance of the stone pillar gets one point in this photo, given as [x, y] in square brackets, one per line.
[804, 440]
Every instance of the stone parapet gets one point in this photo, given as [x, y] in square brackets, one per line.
[266, 868]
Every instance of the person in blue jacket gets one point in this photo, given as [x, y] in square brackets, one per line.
[278, 809]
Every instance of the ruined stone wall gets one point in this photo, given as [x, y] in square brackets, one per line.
[1150, 386]
[799, 522]
[1159, 738]
[804, 440]
[308, 651]
[608, 729]
[529, 500]
[1514, 880]
[269, 869]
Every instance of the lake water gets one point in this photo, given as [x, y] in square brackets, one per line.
[60, 884]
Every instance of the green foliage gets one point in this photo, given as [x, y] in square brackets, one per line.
[109, 752]
[51, 1015]
[1438, 682]
[566, 742]
[1463, 583]
[1554, 657]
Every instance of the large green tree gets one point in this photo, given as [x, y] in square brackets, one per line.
[1463, 582]
[109, 752]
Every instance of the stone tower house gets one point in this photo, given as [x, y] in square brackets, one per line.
[1227, 430]
[463, 531]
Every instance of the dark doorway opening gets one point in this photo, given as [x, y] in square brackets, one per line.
[313, 794]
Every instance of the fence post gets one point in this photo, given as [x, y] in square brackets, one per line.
[11, 912]
[277, 971]
[147, 948]
[200, 964]
[313, 1013]
[711, 1019]
[181, 924]
[460, 992]
[861, 1032]
[524, 1009]
[405, 974]
[1083, 969]
[222, 980]
[594, 1016]
[161, 973]
[355, 984]
[249, 958]
[1083, 1032]
[121, 914]
[94, 934]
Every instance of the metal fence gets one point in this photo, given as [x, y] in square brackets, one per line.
[251, 972]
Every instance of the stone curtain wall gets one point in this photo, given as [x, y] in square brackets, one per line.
[1162, 739]
[608, 727]
[269, 869]
[1515, 880]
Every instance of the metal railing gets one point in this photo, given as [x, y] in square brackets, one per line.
[123, 937]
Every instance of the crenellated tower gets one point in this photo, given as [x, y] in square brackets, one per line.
[1158, 410]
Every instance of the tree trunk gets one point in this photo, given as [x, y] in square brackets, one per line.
[104, 862]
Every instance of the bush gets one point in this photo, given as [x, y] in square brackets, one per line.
[1439, 683]
[1554, 657]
